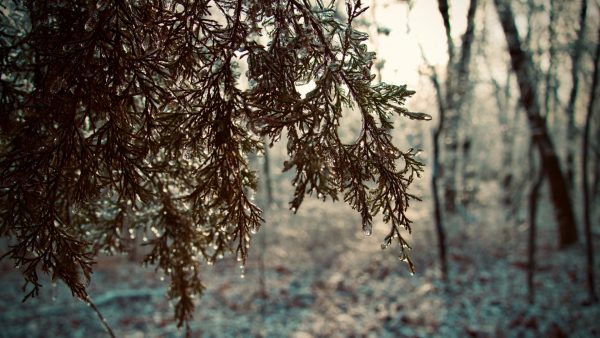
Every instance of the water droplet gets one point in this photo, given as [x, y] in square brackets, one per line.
[162, 278]
[53, 291]
[251, 84]
[367, 230]
[90, 24]
[100, 4]
[320, 195]
[294, 209]
[179, 8]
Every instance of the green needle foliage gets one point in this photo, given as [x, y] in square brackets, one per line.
[127, 118]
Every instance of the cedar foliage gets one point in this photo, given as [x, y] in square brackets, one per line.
[123, 118]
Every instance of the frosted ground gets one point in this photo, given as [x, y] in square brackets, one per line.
[324, 278]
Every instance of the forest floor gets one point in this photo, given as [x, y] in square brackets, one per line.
[324, 278]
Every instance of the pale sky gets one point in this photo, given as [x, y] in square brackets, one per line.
[400, 49]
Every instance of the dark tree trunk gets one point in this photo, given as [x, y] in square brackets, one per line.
[437, 207]
[268, 178]
[585, 184]
[523, 67]
[439, 226]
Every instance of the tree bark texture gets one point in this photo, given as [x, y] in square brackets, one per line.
[523, 68]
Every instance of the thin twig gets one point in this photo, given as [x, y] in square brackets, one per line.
[102, 319]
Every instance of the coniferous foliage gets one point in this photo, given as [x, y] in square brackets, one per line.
[126, 118]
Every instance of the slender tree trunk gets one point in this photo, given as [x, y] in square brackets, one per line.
[448, 168]
[585, 184]
[523, 67]
[268, 178]
[550, 76]
[263, 237]
[439, 226]
[456, 86]
[596, 180]
[576, 61]
[463, 89]
[537, 180]
[437, 207]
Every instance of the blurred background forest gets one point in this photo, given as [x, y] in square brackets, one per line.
[491, 258]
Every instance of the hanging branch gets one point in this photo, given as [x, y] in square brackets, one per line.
[126, 118]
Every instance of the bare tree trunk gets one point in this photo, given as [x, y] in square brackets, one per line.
[456, 86]
[576, 61]
[448, 168]
[439, 226]
[550, 78]
[537, 179]
[263, 237]
[585, 184]
[596, 179]
[268, 177]
[523, 67]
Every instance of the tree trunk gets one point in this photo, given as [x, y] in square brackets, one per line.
[268, 205]
[550, 82]
[571, 131]
[439, 226]
[437, 208]
[456, 86]
[585, 184]
[523, 68]
[537, 180]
